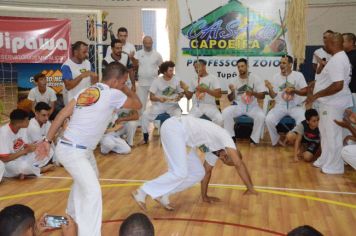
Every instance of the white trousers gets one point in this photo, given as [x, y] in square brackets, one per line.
[348, 154]
[2, 170]
[142, 93]
[277, 113]
[151, 113]
[113, 142]
[26, 165]
[84, 201]
[129, 130]
[331, 140]
[254, 111]
[184, 170]
[354, 101]
[209, 110]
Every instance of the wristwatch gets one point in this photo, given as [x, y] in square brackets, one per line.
[45, 139]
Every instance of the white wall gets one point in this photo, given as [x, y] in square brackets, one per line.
[340, 18]
[122, 13]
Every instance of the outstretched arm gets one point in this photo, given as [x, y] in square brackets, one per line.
[241, 169]
[205, 182]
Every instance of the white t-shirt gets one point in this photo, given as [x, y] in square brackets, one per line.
[47, 97]
[241, 85]
[124, 59]
[10, 142]
[70, 71]
[92, 114]
[128, 48]
[210, 82]
[204, 134]
[148, 63]
[321, 53]
[35, 132]
[280, 82]
[168, 89]
[337, 69]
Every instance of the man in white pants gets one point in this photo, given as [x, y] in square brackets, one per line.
[75, 150]
[165, 92]
[333, 96]
[16, 151]
[244, 91]
[124, 122]
[185, 170]
[348, 152]
[207, 89]
[283, 88]
[148, 66]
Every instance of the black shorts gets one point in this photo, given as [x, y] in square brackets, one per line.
[311, 147]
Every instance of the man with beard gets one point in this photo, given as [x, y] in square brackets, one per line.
[284, 88]
[244, 91]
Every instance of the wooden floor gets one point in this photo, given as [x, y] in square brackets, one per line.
[290, 194]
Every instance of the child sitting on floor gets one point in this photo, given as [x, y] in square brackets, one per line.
[306, 137]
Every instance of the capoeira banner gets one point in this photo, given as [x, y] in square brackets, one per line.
[221, 32]
[34, 40]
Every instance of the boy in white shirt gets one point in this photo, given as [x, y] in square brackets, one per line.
[15, 149]
[207, 89]
[39, 125]
[286, 87]
[42, 93]
[124, 122]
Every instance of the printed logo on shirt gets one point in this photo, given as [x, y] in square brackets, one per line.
[204, 148]
[286, 85]
[18, 144]
[123, 114]
[169, 91]
[201, 95]
[243, 89]
[89, 97]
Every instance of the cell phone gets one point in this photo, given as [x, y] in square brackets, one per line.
[55, 221]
